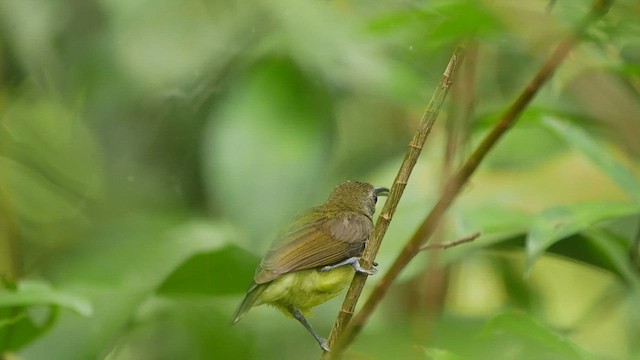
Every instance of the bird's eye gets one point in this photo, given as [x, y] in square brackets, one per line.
[375, 199]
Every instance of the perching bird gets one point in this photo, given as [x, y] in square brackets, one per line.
[307, 263]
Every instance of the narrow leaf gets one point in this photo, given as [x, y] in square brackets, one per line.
[31, 293]
[531, 339]
[557, 223]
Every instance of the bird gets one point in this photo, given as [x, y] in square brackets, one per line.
[315, 257]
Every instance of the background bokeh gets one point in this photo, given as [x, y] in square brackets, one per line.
[151, 150]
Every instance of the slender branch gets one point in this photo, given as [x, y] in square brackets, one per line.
[450, 244]
[399, 184]
[455, 183]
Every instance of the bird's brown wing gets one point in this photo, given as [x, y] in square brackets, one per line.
[316, 243]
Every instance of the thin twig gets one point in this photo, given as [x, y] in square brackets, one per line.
[455, 183]
[399, 184]
[450, 244]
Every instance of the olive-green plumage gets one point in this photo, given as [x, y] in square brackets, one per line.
[303, 268]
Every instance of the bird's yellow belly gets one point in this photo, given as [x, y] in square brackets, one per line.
[306, 288]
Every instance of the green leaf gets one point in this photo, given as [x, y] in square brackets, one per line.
[31, 293]
[21, 325]
[598, 153]
[227, 271]
[521, 336]
[117, 271]
[610, 245]
[557, 223]
[30, 310]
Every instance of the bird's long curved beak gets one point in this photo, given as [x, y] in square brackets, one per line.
[380, 191]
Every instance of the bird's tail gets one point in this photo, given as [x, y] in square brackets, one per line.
[249, 300]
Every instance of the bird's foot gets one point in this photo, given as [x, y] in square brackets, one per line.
[323, 344]
[355, 263]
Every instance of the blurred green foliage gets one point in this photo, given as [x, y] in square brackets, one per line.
[150, 150]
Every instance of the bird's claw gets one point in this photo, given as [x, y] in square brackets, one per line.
[323, 345]
[362, 270]
[355, 263]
